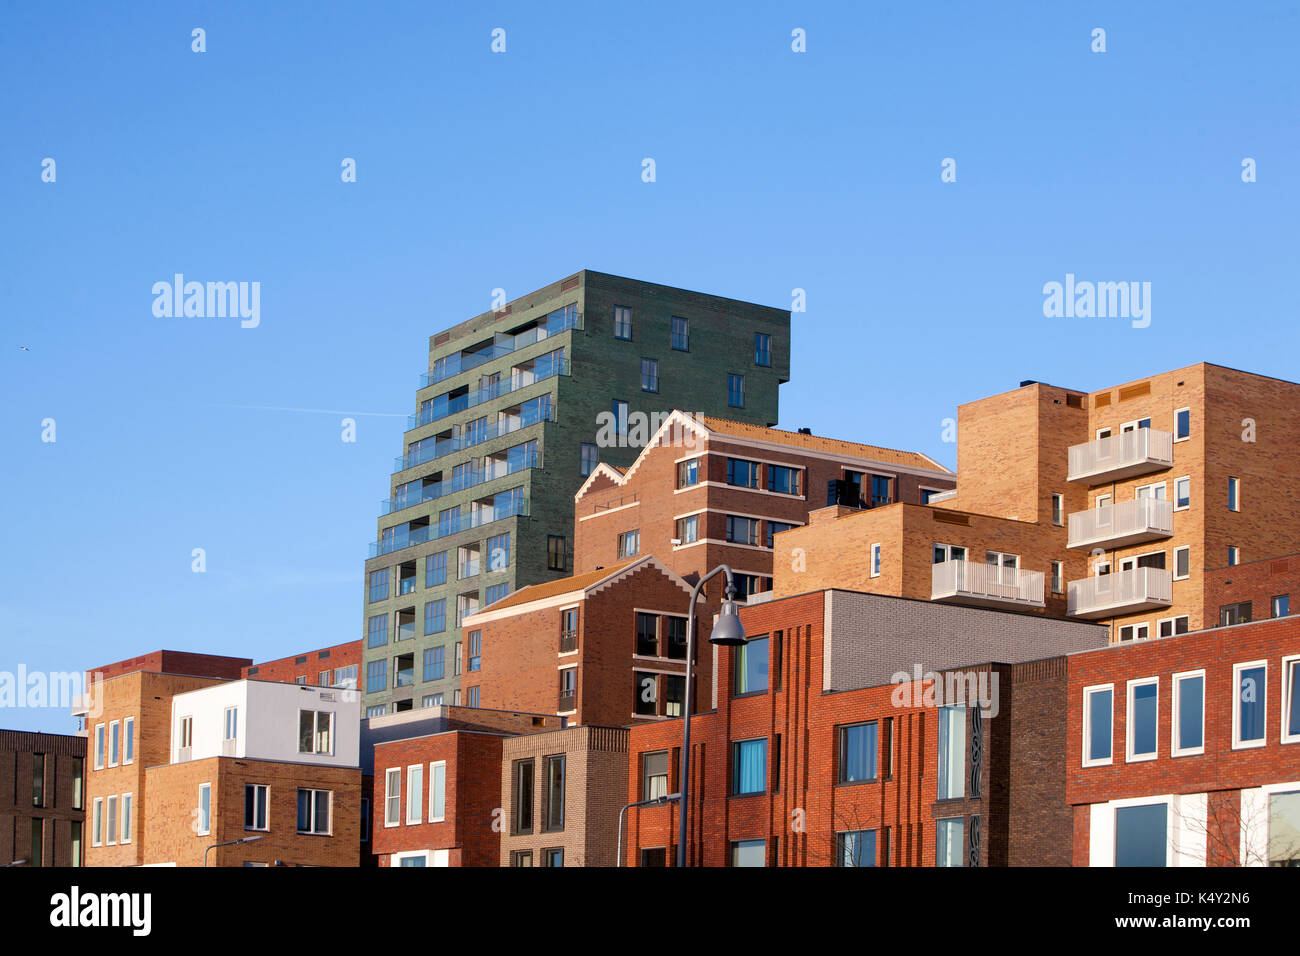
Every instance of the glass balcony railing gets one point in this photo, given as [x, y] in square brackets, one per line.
[452, 365]
[469, 479]
[431, 450]
[444, 407]
[404, 678]
[406, 537]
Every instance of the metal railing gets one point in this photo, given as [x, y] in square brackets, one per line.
[1139, 519]
[428, 452]
[1106, 593]
[990, 582]
[452, 365]
[443, 407]
[1133, 452]
[568, 641]
[406, 537]
[468, 479]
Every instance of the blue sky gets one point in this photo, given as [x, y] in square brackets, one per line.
[775, 170]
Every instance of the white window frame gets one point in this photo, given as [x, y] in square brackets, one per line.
[1287, 691]
[1188, 436]
[1162, 485]
[266, 828]
[230, 720]
[329, 812]
[1174, 569]
[126, 803]
[128, 741]
[1129, 755]
[1173, 631]
[1234, 555]
[1177, 506]
[875, 559]
[111, 808]
[414, 794]
[1136, 637]
[101, 744]
[1175, 748]
[434, 768]
[1136, 423]
[201, 829]
[114, 737]
[1056, 577]
[1234, 490]
[392, 793]
[1237, 742]
[1104, 433]
[1087, 726]
[186, 727]
[97, 822]
[1058, 499]
[1102, 501]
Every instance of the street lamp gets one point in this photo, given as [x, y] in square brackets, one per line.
[654, 802]
[249, 839]
[729, 632]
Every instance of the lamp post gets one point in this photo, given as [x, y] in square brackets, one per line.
[248, 839]
[727, 632]
[656, 802]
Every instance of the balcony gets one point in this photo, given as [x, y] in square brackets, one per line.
[429, 450]
[404, 536]
[1137, 452]
[1124, 592]
[568, 640]
[985, 585]
[1129, 522]
[444, 406]
[566, 703]
[515, 462]
[502, 344]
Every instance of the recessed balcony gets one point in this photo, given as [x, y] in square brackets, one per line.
[1129, 522]
[985, 585]
[1123, 592]
[1137, 452]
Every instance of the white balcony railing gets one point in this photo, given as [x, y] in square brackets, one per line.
[1136, 452]
[987, 585]
[1124, 592]
[1129, 522]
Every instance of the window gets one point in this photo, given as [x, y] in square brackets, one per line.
[1182, 493]
[376, 710]
[952, 753]
[187, 732]
[742, 530]
[1284, 829]
[736, 390]
[435, 616]
[647, 634]
[589, 457]
[323, 678]
[435, 569]
[438, 791]
[1251, 683]
[435, 663]
[749, 853]
[431, 700]
[1280, 606]
[751, 667]
[231, 724]
[1140, 835]
[78, 782]
[654, 775]
[568, 630]
[99, 747]
[1097, 713]
[557, 558]
[466, 604]
[649, 375]
[762, 349]
[378, 585]
[471, 697]
[114, 742]
[688, 473]
[629, 543]
[37, 855]
[948, 840]
[773, 528]
[1182, 563]
[1143, 708]
[97, 823]
[255, 800]
[553, 857]
[1173, 625]
[748, 766]
[623, 323]
[674, 694]
[688, 529]
[314, 811]
[569, 687]
[1182, 424]
[1231, 614]
[553, 808]
[1189, 714]
[523, 792]
[38, 780]
[1234, 494]
[1129, 632]
[855, 848]
[414, 794]
[377, 631]
[620, 417]
[875, 560]
[498, 550]
[315, 732]
[393, 798]
[1234, 555]
[110, 817]
[521, 858]
[1058, 574]
[645, 689]
[1058, 510]
[376, 678]
[858, 749]
[456, 660]
[681, 340]
[345, 676]
[475, 650]
[204, 819]
[75, 826]
[742, 473]
[467, 560]
[783, 480]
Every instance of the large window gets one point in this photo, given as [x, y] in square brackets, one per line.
[1251, 681]
[255, 801]
[676, 648]
[855, 848]
[622, 323]
[415, 794]
[553, 811]
[782, 479]
[773, 529]
[948, 841]
[435, 616]
[588, 458]
[1143, 710]
[742, 530]
[1189, 714]
[751, 667]
[1097, 713]
[1291, 699]
[858, 750]
[1284, 829]
[619, 409]
[314, 812]
[99, 747]
[749, 853]
[1182, 424]
[498, 551]
[688, 529]
[736, 390]
[1280, 606]
[952, 753]
[629, 543]
[437, 791]
[647, 634]
[475, 650]
[435, 569]
[1239, 613]
[1141, 835]
[654, 775]
[204, 819]
[377, 631]
[110, 818]
[742, 473]
[649, 375]
[762, 349]
[393, 798]
[523, 792]
[38, 780]
[557, 556]
[376, 677]
[748, 766]
[378, 585]
[435, 663]
[315, 732]
[681, 340]
[688, 473]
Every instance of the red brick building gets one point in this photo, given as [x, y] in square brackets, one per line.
[1185, 751]
[828, 745]
[706, 491]
[336, 666]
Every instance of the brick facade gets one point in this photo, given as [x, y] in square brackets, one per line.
[42, 798]
[310, 666]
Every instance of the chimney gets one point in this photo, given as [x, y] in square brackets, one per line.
[805, 431]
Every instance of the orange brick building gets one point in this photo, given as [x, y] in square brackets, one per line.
[336, 666]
